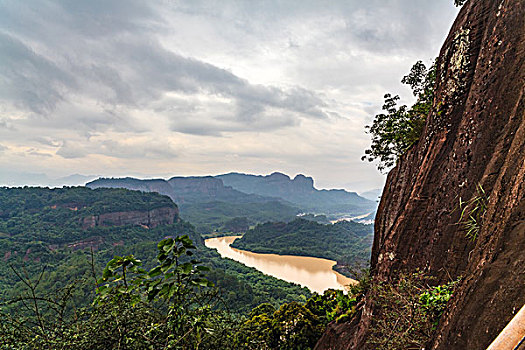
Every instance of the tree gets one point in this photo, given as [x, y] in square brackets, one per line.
[396, 130]
[170, 306]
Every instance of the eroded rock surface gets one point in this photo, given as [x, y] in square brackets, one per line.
[475, 136]
[148, 219]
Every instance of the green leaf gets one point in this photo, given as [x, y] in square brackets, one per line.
[202, 282]
[155, 272]
[186, 268]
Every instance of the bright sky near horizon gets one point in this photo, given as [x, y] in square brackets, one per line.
[165, 88]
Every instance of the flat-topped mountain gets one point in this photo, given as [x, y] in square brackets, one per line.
[211, 202]
[183, 189]
[300, 191]
[207, 203]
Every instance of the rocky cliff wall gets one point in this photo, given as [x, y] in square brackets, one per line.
[475, 136]
[150, 219]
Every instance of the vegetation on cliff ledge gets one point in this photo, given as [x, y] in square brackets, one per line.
[396, 130]
[407, 311]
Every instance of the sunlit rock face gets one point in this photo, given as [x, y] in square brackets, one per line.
[475, 136]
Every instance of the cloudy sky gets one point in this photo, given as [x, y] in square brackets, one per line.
[163, 88]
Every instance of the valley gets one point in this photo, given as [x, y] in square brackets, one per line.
[205, 122]
[57, 228]
[314, 273]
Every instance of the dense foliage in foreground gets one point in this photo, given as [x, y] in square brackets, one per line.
[170, 306]
[348, 243]
[173, 306]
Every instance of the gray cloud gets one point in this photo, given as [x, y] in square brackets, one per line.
[150, 150]
[116, 149]
[5, 124]
[71, 150]
[37, 153]
[29, 79]
[111, 60]
[136, 80]
[47, 141]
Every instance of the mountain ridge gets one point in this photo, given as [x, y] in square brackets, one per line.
[299, 190]
[182, 189]
[248, 188]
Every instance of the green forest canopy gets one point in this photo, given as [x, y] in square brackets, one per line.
[39, 227]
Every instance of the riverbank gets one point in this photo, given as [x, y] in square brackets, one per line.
[317, 274]
[347, 243]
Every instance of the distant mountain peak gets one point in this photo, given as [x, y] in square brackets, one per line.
[307, 180]
[300, 191]
[278, 175]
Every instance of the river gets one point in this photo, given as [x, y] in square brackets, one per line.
[314, 273]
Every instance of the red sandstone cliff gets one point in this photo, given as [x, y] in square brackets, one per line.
[150, 219]
[475, 136]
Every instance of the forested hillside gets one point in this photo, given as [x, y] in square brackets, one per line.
[40, 227]
[223, 216]
[348, 243]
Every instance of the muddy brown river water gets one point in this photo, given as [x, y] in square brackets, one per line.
[313, 273]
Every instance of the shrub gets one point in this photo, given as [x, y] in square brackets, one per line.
[168, 307]
[407, 312]
[472, 212]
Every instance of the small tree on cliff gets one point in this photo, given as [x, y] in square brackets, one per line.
[396, 130]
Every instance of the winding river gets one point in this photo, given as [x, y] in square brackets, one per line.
[313, 273]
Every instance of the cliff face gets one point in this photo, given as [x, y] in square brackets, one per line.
[476, 135]
[150, 219]
[187, 185]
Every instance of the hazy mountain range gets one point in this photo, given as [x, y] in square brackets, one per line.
[16, 179]
[373, 195]
[244, 188]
